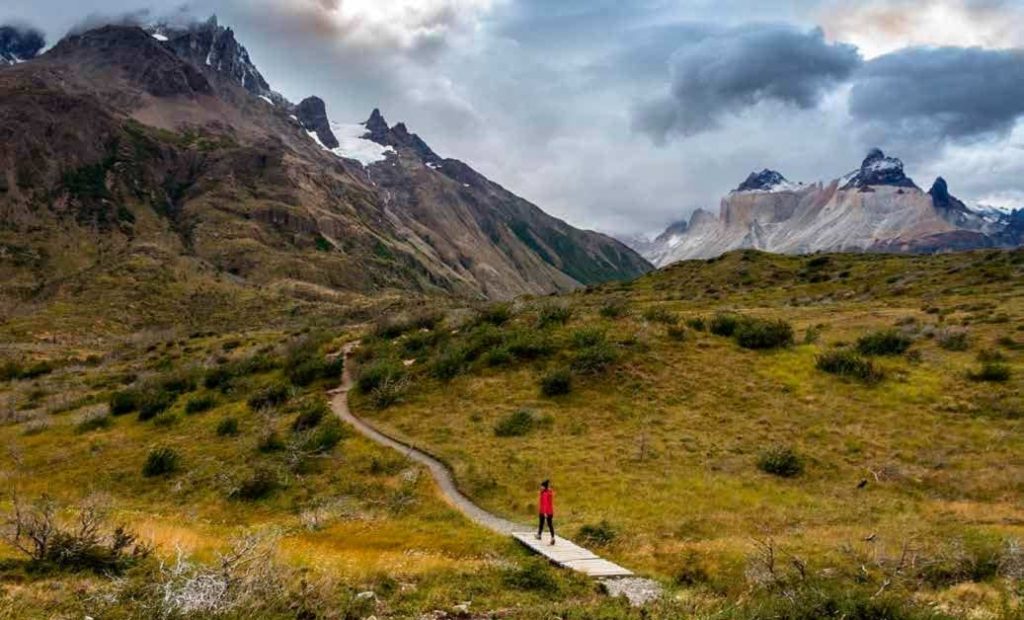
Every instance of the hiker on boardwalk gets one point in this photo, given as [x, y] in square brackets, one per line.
[546, 506]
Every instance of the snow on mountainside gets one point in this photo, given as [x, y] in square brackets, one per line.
[874, 208]
[19, 44]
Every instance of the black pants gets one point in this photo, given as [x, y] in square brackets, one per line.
[551, 525]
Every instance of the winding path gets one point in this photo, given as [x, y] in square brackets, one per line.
[616, 579]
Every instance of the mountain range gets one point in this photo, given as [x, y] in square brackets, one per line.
[875, 208]
[165, 149]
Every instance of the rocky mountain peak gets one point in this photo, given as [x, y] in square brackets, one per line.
[765, 180]
[19, 44]
[209, 45]
[940, 192]
[398, 137]
[312, 114]
[878, 169]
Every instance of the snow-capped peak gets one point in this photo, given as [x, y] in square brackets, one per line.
[768, 181]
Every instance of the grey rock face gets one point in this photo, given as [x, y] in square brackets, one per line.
[764, 180]
[312, 113]
[877, 169]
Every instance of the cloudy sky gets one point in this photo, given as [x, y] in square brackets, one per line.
[623, 116]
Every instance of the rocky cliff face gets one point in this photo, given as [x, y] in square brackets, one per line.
[875, 208]
[19, 44]
[121, 148]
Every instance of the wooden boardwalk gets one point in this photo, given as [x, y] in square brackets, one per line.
[563, 553]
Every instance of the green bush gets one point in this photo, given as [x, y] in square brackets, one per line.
[228, 427]
[553, 314]
[676, 332]
[305, 364]
[846, 363]
[599, 534]
[528, 345]
[588, 337]
[10, 371]
[533, 575]
[495, 314]
[991, 372]
[594, 359]
[820, 601]
[614, 309]
[886, 342]
[450, 364]
[310, 415]
[390, 328]
[374, 374]
[161, 462]
[697, 324]
[94, 422]
[781, 461]
[954, 340]
[660, 315]
[725, 324]
[154, 401]
[271, 395]
[763, 334]
[179, 383]
[516, 424]
[556, 383]
[500, 356]
[260, 484]
[326, 436]
[270, 441]
[199, 404]
[124, 402]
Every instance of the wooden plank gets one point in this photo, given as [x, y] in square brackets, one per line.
[572, 556]
[598, 567]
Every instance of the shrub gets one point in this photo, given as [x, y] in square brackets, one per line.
[199, 404]
[660, 315]
[228, 427]
[534, 575]
[85, 542]
[675, 332]
[500, 356]
[724, 324]
[389, 392]
[780, 461]
[10, 370]
[389, 328]
[954, 340]
[450, 364]
[153, 402]
[160, 462]
[271, 395]
[326, 436]
[310, 415]
[594, 359]
[599, 534]
[697, 324]
[588, 337]
[417, 343]
[94, 422]
[847, 363]
[261, 483]
[270, 441]
[377, 372]
[516, 424]
[553, 314]
[180, 383]
[496, 314]
[991, 372]
[763, 334]
[124, 402]
[528, 345]
[305, 364]
[556, 383]
[887, 342]
[614, 309]
[426, 319]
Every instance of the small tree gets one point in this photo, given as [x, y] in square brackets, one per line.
[161, 462]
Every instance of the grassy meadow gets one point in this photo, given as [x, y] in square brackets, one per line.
[728, 460]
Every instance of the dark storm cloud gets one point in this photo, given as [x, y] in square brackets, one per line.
[939, 92]
[725, 72]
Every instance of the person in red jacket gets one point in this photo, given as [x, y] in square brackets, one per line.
[546, 506]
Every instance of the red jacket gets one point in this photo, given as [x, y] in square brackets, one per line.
[547, 502]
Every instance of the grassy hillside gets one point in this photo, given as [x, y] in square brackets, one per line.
[706, 437]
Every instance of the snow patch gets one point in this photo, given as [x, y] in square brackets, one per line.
[781, 186]
[159, 37]
[352, 145]
[267, 99]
